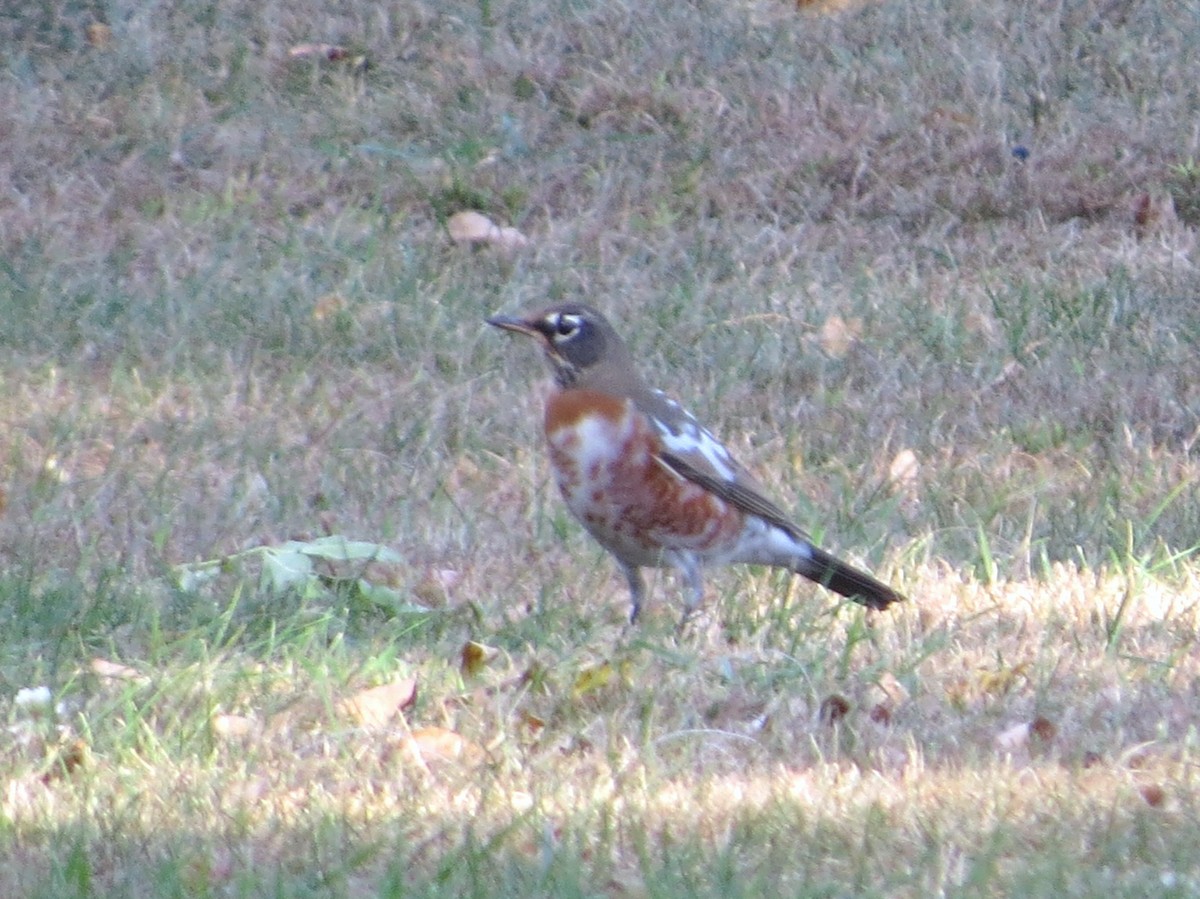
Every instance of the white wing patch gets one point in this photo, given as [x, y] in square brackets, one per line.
[692, 439]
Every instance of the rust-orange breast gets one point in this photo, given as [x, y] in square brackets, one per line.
[605, 455]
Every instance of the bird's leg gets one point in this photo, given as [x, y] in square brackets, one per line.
[693, 578]
[637, 591]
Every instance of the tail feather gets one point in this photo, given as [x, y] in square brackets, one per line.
[846, 580]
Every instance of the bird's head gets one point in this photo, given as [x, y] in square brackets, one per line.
[575, 338]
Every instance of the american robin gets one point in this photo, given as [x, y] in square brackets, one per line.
[649, 482]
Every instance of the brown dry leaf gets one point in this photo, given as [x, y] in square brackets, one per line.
[329, 52]
[328, 306]
[837, 334]
[377, 706]
[825, 7]
[99, 35]
[940, 115]
[234, 727]
[904, 470]
[903, 475]
[67, 760]
[474, 657]
[1143, 214]
[1043, 729]
[1154, 795]
[833, 709]
[531, 722]
[429, 744]
[1151, 214]
[115, 671]
[434, 588]
[471, 227]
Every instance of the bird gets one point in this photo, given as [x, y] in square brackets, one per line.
[651, 484]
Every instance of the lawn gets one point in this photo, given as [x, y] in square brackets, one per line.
[292, 607]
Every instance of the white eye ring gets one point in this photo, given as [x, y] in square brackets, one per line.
[565, 326]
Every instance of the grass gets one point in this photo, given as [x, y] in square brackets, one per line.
[956, 236]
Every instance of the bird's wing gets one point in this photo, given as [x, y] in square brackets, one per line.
[692, 452]
[734, 492]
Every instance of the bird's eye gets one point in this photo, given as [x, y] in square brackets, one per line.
[565, 326]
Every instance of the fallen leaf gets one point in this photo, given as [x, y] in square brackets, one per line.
[474, 657]
[531, 722]
[904, 470]
[115, 670]
[1143, 212]
[328, 305]
[1154, 795]
[234, 727]
[471, 227]
[434, 588]
[336, 548]
[329, 52]
[67, 760]
[591, 679]
[1152, 213]
[833, 709]
[945, 115]
[377, 706]
[1043, 728]
[434, 743]
[99, 35]
[837, 334]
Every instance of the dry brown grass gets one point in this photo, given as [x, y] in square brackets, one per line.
[231, 315]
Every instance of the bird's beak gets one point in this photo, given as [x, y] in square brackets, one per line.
[510, 323]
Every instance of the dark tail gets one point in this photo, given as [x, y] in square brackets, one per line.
[846, 580]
